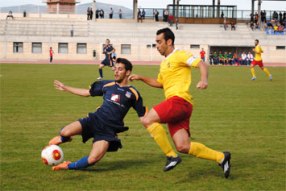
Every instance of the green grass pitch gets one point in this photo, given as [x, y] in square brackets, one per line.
[236, 114]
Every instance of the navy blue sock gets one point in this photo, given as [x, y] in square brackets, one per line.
[65, 139]
[100, 72]
[80, 164]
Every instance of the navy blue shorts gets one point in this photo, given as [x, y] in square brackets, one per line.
[107, 62]
[92, 127]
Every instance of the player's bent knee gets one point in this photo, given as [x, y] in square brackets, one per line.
[183, 148]
[145, 121]
[65, 133]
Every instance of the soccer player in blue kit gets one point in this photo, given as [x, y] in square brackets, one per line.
[103, 124]
[108, 61]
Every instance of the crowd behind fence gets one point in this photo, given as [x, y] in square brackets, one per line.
[192, 12]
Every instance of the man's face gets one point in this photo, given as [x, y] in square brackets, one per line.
[161, 44]
[256, 43]
[107, 42]
[120, 73]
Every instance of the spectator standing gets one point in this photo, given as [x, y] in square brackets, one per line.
[171, 20]
[156, 14]
[51, 54]
[165, 15]
[139, 16]
[263, 16]
[97, 14]
[280, 17]
[120, 14]
[88, 13]
[202, 53]
[143, 14]
[111, 13]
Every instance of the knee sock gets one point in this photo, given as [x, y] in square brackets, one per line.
[201, 151]
[159, 134]
[266, 71]
[100, 72]
[65, 139]
[252, 72]
[80, 164]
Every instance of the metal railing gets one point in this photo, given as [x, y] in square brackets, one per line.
[192, 11]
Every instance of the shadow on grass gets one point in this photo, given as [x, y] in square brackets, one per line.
[105, 166]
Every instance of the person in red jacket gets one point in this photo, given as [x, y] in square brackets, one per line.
[202, 53]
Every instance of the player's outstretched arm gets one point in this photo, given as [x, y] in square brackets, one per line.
[203, 83]
[149, 81]
[77, 91]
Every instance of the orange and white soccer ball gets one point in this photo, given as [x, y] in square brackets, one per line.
[52, 155]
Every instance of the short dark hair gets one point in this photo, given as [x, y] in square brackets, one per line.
[127, 63]
[168, 34]
[257, 40]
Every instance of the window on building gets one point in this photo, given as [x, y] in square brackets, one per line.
[81, 48]
[151, 45]
[195, 46]
[280, 47]
[125, 48]
[18, 47]
[63, 48]
[36, 47]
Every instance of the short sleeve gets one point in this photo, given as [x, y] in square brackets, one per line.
[190, 59]
[193, 61]
[138, 103]
[96, 88]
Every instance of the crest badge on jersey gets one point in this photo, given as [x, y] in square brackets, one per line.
[128, 94]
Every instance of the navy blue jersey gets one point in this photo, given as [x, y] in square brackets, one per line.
[107, 60]
[106, 50]
[116, 102]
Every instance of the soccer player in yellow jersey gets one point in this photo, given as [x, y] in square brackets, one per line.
[258, 61]
[175, 79]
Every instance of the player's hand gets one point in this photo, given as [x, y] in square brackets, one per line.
[202, 85]
[59, 85]
[133, 77]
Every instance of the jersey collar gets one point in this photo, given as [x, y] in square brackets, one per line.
[175, 49]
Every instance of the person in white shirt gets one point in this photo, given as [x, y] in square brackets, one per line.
[243, 58]
[250, 58]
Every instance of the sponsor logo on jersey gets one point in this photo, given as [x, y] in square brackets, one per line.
[115, 98]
